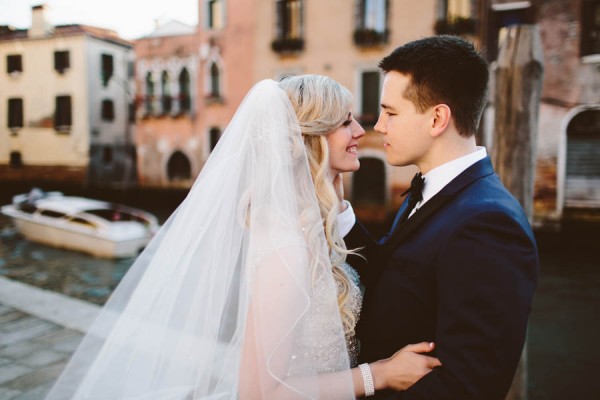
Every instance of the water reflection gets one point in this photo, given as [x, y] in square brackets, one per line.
[71, 273]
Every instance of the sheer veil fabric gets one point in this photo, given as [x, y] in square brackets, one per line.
[226, 300]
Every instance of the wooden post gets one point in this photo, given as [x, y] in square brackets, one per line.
[519, 77]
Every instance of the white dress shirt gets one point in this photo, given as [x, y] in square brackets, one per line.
[440, 176]
[435, 180]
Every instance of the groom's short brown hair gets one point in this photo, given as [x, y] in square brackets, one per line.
[444, 70]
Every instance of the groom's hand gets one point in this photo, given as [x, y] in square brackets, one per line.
[405, 367]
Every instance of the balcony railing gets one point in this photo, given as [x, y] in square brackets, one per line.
[367, 37]
[287, 45]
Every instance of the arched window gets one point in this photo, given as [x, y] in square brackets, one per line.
[149, 100]
[215, 81]
[185, 102]
[166, 92]
[179, 167]
[583, 163]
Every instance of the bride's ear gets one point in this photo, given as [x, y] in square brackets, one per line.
[441, 119]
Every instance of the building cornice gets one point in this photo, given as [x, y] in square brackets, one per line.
[8, 34]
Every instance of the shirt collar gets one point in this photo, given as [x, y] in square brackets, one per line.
[440, 176]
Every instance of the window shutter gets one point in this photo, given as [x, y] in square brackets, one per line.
[280, 12]
[62, 116]
[107, 68]
[370, 97]
[61, 61]
[590, 32]
[215, 135]
[360, 14]
[108, 110]
[184, 91]
[14, 63]
[214, 80]
[15, 113]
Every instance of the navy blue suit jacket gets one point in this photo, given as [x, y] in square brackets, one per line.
[460, 272]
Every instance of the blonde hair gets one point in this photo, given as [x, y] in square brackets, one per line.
[322, 105]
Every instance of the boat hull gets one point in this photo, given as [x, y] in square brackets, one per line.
[61, 237]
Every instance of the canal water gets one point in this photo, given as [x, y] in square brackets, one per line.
[72, 273]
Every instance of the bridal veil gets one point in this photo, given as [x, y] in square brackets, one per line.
[228, 299]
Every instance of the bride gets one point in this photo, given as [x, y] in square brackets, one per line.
[244, 292]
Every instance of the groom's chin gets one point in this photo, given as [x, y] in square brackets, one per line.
[394, 162]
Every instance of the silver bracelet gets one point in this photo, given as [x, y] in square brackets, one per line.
[365, 370]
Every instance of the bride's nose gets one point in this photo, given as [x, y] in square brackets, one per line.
[357, 130]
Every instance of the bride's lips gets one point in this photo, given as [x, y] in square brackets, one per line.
[351, 149]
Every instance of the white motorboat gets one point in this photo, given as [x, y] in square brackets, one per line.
[96, 227]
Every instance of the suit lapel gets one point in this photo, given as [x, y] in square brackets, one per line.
[474, 172]
[418, 218]
[394, 228]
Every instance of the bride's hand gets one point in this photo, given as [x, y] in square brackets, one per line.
[405, 367]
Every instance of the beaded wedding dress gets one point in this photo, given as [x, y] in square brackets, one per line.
[235, 297]
[330, 353]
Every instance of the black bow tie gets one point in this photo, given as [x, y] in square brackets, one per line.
[416, 188]
[416, 195]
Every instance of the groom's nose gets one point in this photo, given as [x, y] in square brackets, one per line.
[380, 125]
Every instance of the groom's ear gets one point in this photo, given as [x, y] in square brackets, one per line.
[441, 119]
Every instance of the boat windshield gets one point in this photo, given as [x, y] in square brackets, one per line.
[114, 215]
[52, 214]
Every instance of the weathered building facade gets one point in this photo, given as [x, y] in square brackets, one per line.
[567, 183]
[227, 40]
[257, 39]
[65, 95]
[168, 147]
[190, 81]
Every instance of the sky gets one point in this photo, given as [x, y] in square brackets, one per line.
[130, 18]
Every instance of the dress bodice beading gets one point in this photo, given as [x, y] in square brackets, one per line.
[321, 343]
[355, 299]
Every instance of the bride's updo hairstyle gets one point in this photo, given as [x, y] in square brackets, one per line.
[322, 105]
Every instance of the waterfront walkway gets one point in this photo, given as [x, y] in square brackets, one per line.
[39, 330]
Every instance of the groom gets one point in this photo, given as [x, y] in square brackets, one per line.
[460, 265]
